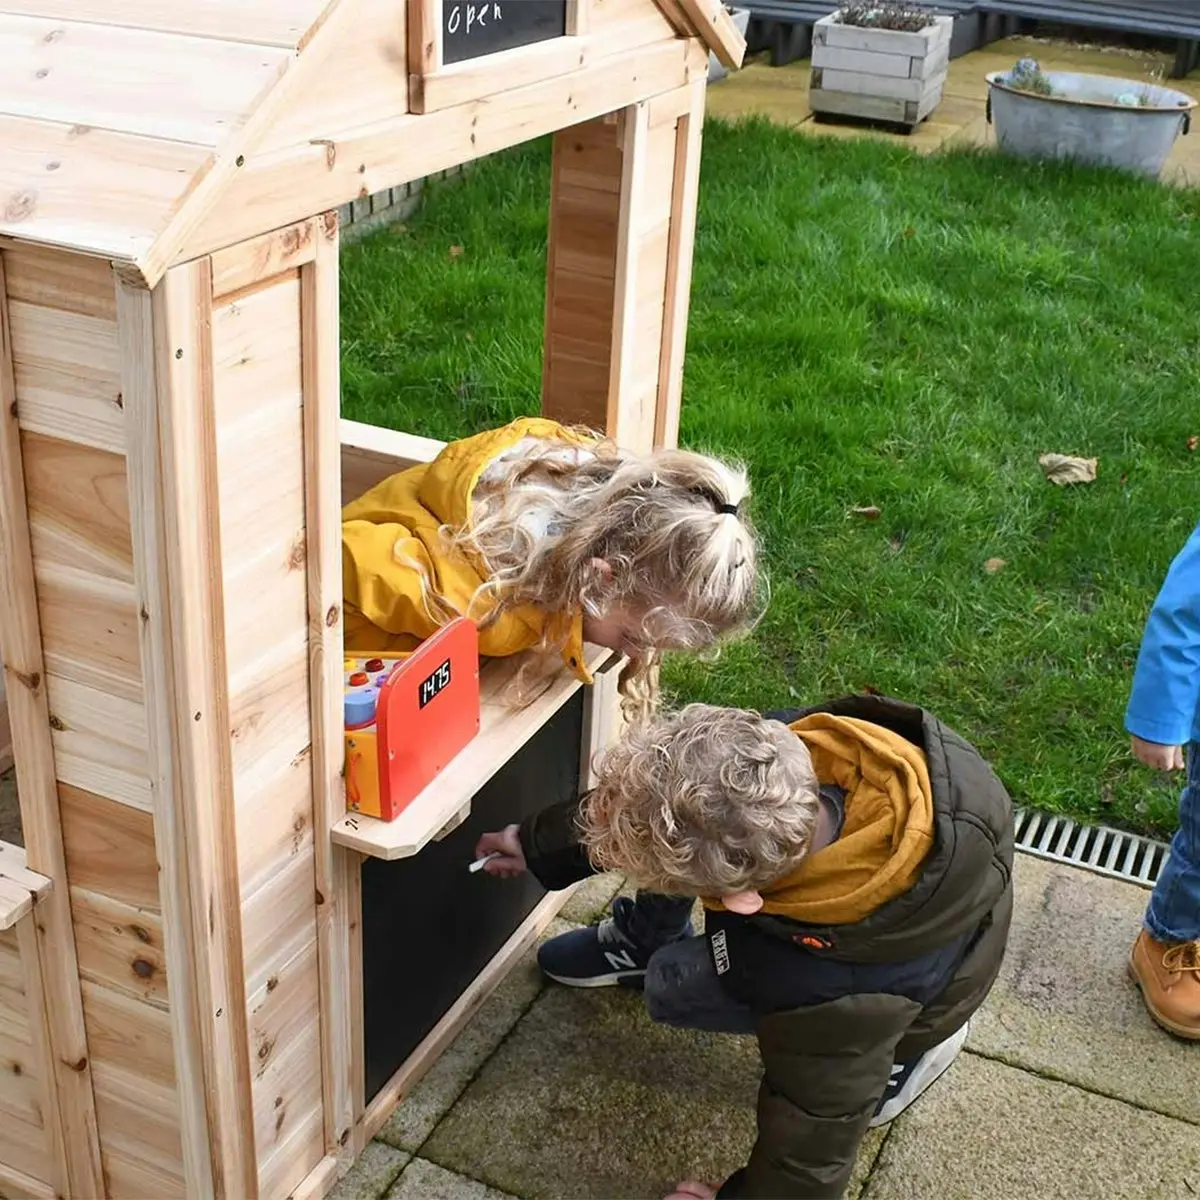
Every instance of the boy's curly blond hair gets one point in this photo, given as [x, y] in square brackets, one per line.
[706, 801]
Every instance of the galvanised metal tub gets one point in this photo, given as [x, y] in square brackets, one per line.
[1090, 118]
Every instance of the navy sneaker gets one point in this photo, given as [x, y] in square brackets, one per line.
[909, 1080]
[599, 955]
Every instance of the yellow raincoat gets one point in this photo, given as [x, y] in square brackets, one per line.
[396, 525]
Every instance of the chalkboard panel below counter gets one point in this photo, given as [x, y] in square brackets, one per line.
[475, 29]
[429, 926]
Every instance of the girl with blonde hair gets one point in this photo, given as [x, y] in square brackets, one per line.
[548, 536]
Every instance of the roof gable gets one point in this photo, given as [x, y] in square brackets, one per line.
[123, 123]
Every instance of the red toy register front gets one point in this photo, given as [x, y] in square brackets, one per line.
[427, 711]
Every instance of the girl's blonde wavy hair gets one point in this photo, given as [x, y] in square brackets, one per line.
[707, 801]
[670, 524]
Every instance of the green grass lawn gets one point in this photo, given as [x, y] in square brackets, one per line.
[869, 327]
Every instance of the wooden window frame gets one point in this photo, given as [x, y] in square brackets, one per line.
[434, 85]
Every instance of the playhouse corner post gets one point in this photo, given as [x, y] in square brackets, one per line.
[62, 1149]
[622, 222]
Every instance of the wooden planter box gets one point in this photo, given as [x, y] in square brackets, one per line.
[208, 979]
[879, 74]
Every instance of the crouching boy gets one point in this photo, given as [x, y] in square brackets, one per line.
[854, 862]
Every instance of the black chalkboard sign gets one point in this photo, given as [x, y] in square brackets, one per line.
[473, 28]
[429, 926]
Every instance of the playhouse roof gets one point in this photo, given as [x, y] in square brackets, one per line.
[123, 122]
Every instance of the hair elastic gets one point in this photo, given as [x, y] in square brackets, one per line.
[731, 509]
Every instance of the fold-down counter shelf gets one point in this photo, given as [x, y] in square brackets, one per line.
[504, 729]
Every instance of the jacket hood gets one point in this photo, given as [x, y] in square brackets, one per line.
[964, 872]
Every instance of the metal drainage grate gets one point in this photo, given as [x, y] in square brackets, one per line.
[1098, 848]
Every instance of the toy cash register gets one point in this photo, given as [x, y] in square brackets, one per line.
[407, 716]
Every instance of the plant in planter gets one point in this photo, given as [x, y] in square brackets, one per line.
[880, 62]
[1091, 118]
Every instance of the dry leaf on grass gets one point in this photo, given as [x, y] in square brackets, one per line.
[1064, 468]
[994, 564]
[455, 251]
[869, 512]
[1193, 441]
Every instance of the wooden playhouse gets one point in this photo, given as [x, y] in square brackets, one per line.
[207, 981]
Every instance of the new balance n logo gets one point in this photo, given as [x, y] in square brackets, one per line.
[621, 960]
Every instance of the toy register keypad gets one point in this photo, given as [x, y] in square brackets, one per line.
[361, 680]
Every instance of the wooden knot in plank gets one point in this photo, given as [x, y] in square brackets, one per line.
[20, 205]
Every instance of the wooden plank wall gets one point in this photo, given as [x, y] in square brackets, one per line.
[25, 1149]
[258, 404]
[622, 217]
[86, 716]
[201, 905]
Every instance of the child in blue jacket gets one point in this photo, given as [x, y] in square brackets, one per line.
[1163, 715]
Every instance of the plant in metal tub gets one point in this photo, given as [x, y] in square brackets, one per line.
[1094, 119]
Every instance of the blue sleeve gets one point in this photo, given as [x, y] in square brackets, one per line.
[1166, 683]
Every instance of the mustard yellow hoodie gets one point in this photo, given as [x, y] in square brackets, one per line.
[396, 525]
[888, 827]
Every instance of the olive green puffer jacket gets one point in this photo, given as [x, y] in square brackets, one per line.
[838, 1005]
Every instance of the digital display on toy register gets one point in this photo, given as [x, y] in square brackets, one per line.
[434, 683]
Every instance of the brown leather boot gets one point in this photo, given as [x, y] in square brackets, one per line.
[1169, 976]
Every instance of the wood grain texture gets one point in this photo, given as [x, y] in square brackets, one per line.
[684, 203]
[131, 185]
[21, 638]
[285, 1048]
[135, 81]
[475, 79]
[714, 23]
[189, 998]
[30, 1140]
[585, 196]
[281, 23]
[607, 266]
[24, 1187]
[15, 902]
[109, 848]
[371, 51]
[78, 506]
[66, 373]
[29, 938]
[6, 742]
[369, 454]
[101, 742]
[89, 629]
[189, 598]
[649, 155]
[251, 263]
[277, 188]
[258, 399]
[120, 947]
[128, 1035]
[424, 36]
[336, 869]
[55, 279]
[140, 1123]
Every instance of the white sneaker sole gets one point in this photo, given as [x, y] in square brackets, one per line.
[596, 980]
[935, 1064]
